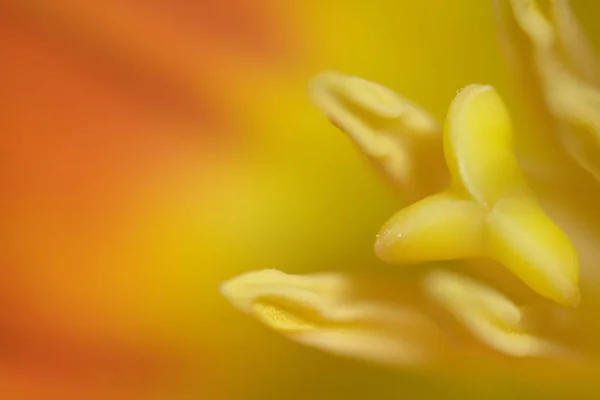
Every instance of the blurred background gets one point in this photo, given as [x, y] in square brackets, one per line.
[152, 149]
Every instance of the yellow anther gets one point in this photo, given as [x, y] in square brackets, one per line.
[478, 147]
[487, 314]
[567, 70]
[323, 311]
[488, 210]
[443, 226]
[398, 136]
[519, 235]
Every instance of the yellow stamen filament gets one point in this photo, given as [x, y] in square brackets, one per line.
[322, 311]
[397, 135]
[488, 211]
[580, 56]
[567, 78]
[488, 315]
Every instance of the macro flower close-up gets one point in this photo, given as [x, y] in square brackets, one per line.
[497, 237]
[245, 200]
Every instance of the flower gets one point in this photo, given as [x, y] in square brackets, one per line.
[501, 221]
[149, 155]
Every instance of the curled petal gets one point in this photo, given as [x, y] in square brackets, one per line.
[324, 311]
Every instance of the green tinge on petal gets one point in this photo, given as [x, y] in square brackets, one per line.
[398, 136]
[488, 211]
[487, 314]
[325, 312]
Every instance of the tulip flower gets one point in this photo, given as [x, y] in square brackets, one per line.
[153, 149]
[499, 235]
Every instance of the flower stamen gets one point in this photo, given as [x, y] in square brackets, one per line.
[488, 211]
[567, 78]
[398, 136]
[324, 311]
[487, 314]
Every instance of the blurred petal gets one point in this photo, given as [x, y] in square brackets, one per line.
[580, 56]
[443, 323]
[489, 315]
[568, 95]
[326, 312]
[398, 136]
